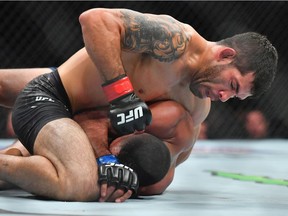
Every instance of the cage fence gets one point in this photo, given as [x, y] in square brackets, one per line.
[46, 33]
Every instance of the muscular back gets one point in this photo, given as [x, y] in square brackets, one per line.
[177, 128]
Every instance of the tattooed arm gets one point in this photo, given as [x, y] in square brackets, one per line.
[106, 32]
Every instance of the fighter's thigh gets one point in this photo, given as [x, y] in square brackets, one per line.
[65, 144]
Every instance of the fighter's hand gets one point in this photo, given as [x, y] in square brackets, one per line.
[128, 113]
[117, 182]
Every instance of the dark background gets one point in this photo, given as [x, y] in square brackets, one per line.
[46, 33]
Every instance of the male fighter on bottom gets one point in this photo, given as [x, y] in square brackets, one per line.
[177, 132]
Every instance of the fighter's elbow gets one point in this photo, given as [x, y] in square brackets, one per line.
[90, 16]
[100, 20]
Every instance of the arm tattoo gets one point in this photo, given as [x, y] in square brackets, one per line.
[162, 38]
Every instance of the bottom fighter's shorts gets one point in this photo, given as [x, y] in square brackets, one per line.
[43, 99]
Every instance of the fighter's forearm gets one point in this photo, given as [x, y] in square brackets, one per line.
[95, 125]
[101, 29]
[98, 140]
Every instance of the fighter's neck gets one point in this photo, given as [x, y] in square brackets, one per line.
[200, 55]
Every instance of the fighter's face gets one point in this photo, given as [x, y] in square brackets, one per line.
[222, 82]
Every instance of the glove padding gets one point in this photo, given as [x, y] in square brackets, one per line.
[128, 114]
[119, 175]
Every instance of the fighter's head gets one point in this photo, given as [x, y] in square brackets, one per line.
[147, 155]
[243, 65]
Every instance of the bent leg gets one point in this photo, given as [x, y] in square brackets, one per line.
[26, 171]
[63, 167]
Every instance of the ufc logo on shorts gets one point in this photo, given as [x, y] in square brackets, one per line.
[40, 98]
[133, 114]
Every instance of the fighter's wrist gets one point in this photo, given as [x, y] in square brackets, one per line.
[117, 87]
[107, 159]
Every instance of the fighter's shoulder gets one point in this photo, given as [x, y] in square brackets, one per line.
[158, 22]
[168, 108]
[195, 107]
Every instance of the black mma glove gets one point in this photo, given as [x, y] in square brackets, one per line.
[127, 112]
[110, 171]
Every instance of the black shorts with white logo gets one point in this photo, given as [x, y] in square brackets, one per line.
[44, 99]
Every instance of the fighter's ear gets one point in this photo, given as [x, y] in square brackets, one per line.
[226, 54]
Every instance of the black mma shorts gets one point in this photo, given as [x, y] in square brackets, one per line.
[44, 99]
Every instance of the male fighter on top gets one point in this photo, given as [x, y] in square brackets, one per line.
[135, 57]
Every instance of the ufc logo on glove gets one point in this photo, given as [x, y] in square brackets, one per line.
[127, 112]
[133, 114]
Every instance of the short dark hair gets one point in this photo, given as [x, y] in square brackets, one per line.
[148, 156]
[254, 53]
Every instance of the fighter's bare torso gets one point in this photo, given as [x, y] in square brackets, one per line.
[152, 80]
[159, 54]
